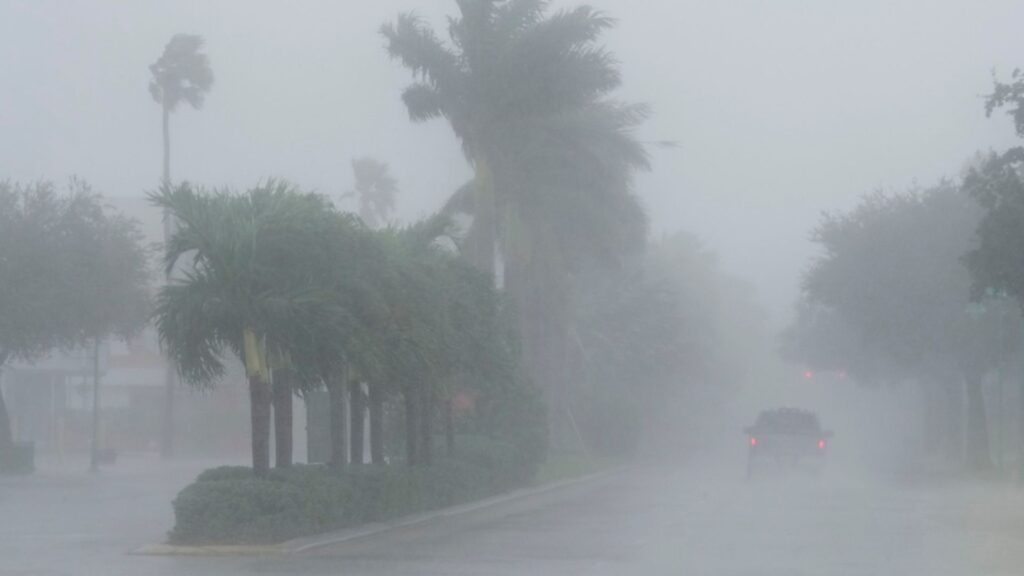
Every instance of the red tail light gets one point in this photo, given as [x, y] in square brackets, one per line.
[753, 441]
[821, 444]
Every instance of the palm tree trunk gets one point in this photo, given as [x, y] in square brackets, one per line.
[358, 415]
[426, 423]
[94, 451]
[376, 424]
[449, 428]
[979, 454]
[167, 430]
[283, 425]
[167, 146]
[483, 235]
[336, 395]
[259, 411]
[6, 437]
[170, 375]
[412, 456]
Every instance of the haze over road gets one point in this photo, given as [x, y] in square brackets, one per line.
[646, 520]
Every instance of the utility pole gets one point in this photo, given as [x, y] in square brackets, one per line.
[94, 453]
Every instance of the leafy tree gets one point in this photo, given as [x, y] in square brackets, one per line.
[1009, 95]
[997, 183]
[249, 287]
[892, 271]
[72, 273]
[526, 92]
[109, 267]
[667, 328]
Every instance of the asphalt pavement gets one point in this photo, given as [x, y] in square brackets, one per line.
[705, 520]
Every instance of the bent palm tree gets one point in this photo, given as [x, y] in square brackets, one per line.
[181, 74]
[527, 93]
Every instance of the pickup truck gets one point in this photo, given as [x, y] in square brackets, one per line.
[786, 439]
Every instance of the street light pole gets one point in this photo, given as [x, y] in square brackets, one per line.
[94, 453]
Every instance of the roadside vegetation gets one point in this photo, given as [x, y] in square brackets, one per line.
[530, 330]
[925, 287]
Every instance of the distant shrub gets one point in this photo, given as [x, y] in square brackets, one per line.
[228, 505]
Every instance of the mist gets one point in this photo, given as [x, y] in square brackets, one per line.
[484, 323]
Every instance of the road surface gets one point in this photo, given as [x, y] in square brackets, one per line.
[647, 520]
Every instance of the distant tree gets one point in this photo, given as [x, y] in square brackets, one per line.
[110, 270]
[1009, 95]
[72, 273]
[181, 74]
[892, 270]
[375, 189]
[997, 183]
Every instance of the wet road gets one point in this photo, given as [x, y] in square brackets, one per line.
[648, 520]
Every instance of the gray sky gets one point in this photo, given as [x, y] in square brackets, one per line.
[782, 109]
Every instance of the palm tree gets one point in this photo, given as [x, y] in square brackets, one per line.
[252, 286]
[375, 188]
[181, 74]
[527, 93]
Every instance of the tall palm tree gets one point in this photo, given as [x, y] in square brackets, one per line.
[181, 74]
[527, 92]
[251, 286]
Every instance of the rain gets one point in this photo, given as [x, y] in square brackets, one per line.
[511, 287]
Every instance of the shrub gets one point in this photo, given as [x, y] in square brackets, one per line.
[227, 505]
[225, 473]
[239, 511]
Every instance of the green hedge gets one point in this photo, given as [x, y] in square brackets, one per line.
[227, 505]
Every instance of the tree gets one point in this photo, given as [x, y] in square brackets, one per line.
[997, 183]
[249, 288]
[71, 274]
[526, 92]
[110, 270]
[1009, 95]
[375, 189]
[892, 271]
[181, 74]
[34, 286]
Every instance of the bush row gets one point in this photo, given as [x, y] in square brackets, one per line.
[228, 505]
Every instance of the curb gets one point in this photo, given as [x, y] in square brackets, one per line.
[302, 545]
[208, 551]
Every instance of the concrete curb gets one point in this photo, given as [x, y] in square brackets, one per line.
[302, 545]
[171, 550]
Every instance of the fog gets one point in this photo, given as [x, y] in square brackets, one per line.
[779, 111]
[824, 253]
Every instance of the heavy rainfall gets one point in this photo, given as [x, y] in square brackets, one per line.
[511, 287]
